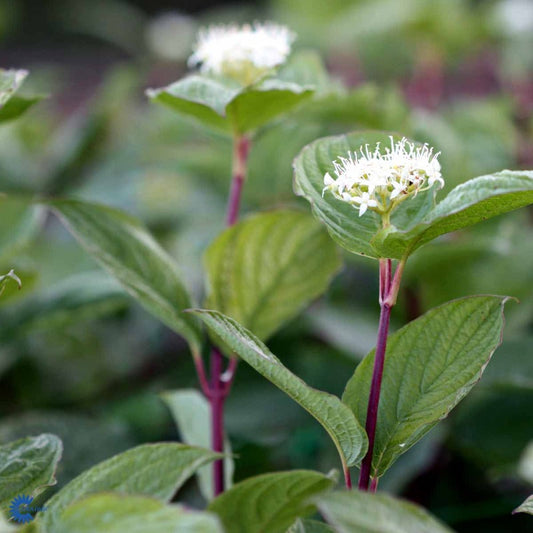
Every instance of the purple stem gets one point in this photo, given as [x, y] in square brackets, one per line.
[379, 361]
[241, 148]
[221, 381]
[347, 478]
[216, 399]
[388, 293]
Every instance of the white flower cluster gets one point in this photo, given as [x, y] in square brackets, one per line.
[244, 53]
[380, 181]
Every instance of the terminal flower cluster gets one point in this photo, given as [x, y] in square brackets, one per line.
[245, 53]
[379, 179]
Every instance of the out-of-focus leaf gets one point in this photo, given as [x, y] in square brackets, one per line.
[348, 329]
[156, 470]
[269, 503]
[19, 222]
[28, 466]
[493, 427]
[190, 411]
[430, 365]
[267, 268]
[17, 106]
[115, 513]
[6, 278]
[310, 526]
[225, 105]
[335, 417]
[526, 507]
[130, 254]
[79, 453]
[525, 466]
[10, 83]
[365, 512]
[261, 103]
[77, 298]
[201, 97]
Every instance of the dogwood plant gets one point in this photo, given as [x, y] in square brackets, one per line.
[375, 193]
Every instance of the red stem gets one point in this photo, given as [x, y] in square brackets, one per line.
[221, 381]
[241, 148]
[347, 478]
[216, 399]
[379, 362]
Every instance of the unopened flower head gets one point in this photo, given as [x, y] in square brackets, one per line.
[245, 53]
[379, 180]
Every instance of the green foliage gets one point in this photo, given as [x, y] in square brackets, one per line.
[309, 526]
[190, 411]
[352, 232]
[431, 364]
[264, 270]
[376, 513]
[526, 507]
[28, 466]
[469, 203]
[414, 222]
[225, 105]
[335, 417]
[23, 220]
[129, 253]
[269, 503]
[6, 278]
[13, 105]
[79, 297]
[156, 470]
[114, 513]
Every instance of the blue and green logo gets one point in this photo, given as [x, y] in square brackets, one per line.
[20, 510]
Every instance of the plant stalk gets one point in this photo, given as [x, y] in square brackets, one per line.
[222, 380]
[347, 477]
[388, 293]
[217, 397]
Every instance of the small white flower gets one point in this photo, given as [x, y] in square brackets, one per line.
[365, 201]
[245, 53]
[381, 179]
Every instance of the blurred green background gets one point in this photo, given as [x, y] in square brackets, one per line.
[79, 359]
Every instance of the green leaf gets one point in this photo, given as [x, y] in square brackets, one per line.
[416, 221]
[191, 413]
[335, 417]
[17, 106]
[79, 453]
[10, 83]
[225, 105]
[376, 513]
[28, 466]
[346, 227]
[79, 297]
[19, 222]
[130, 254]
[267, 268]
[156, 470]
[10, 276]
[201, 97]
[269, 503]
[259, 104]
[115, 513]
[526, 507]
[469, 203]
[309, 526]
[430, 365]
